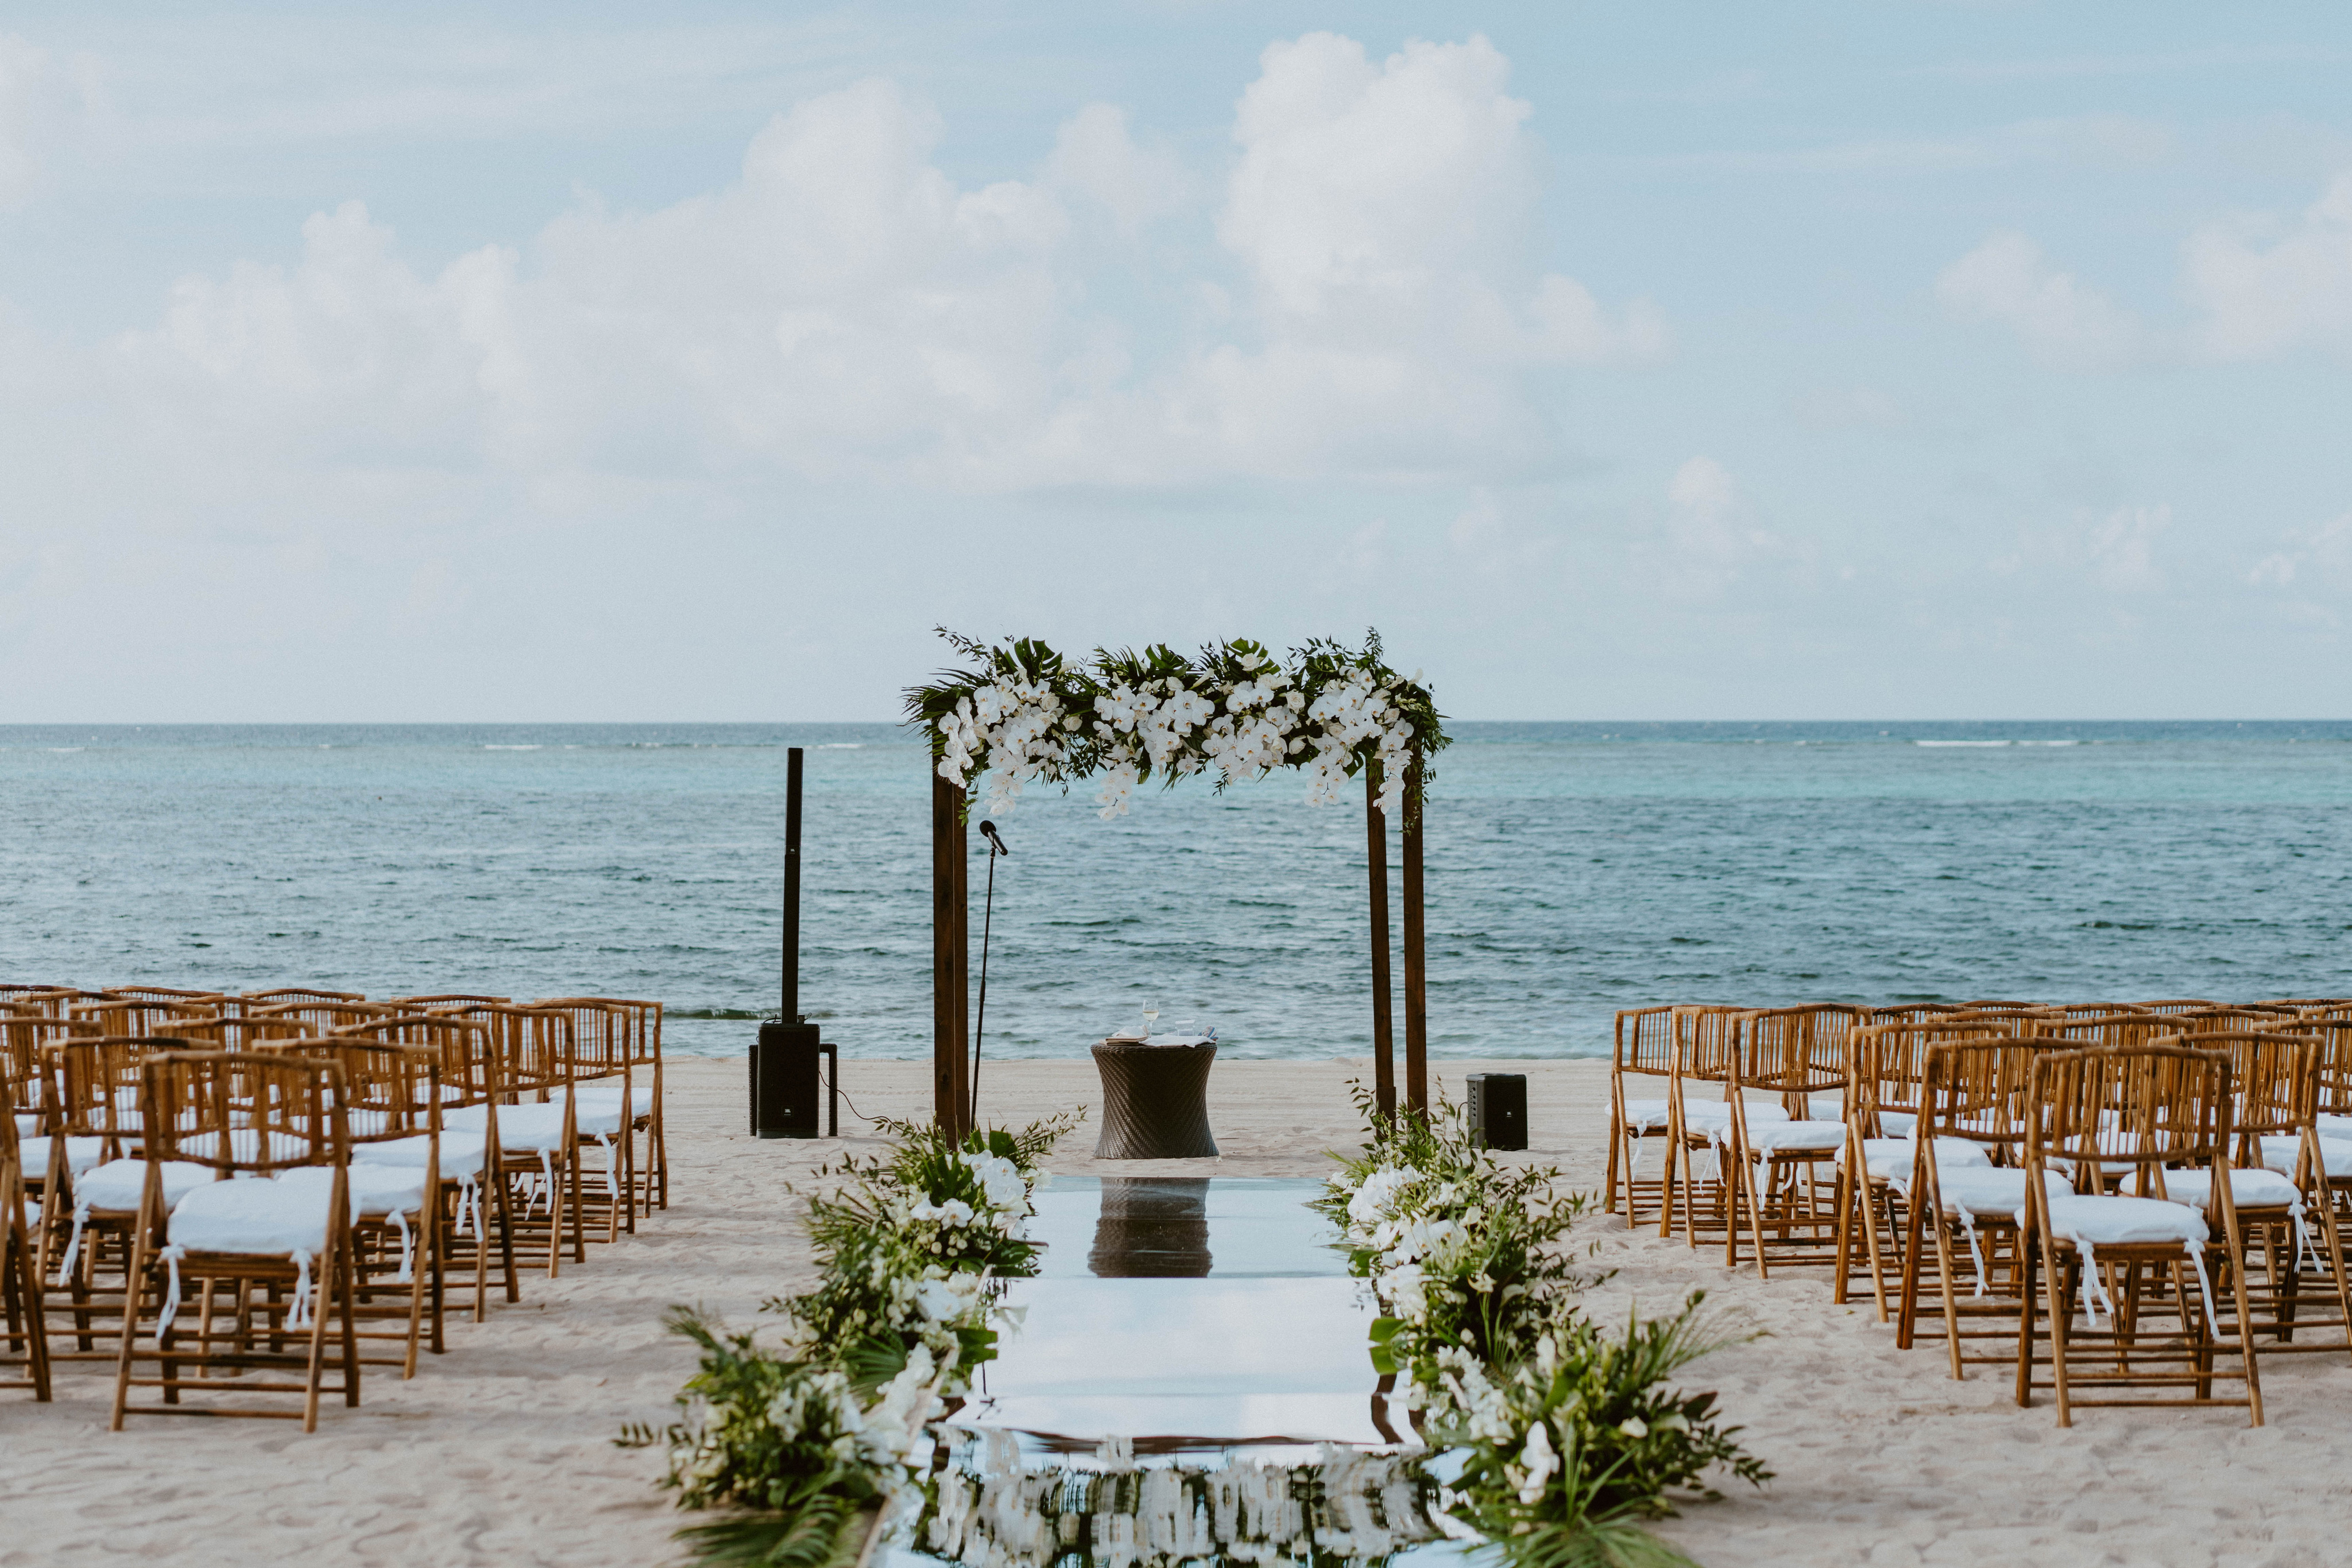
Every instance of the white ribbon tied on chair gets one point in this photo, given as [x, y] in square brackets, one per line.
[301, 1317]
[170, 1257]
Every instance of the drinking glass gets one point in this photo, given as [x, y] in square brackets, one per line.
[1150, 1016]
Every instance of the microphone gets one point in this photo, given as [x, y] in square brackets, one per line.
[988, 832]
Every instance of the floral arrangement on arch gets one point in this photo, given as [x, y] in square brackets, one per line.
[1024, 713]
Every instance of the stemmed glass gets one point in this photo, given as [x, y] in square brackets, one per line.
[1150, 1016]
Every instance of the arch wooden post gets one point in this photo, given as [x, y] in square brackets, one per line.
[950, 962]
[1376, 845]
[1416, 959]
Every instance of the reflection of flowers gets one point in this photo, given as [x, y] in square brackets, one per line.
[1348, 1510]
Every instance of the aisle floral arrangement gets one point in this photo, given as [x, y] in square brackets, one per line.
[806, 1438]
[1565, 1438]
[1025, 713]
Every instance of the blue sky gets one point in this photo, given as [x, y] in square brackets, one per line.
[580, 363]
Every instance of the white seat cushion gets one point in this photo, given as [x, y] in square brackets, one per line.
[1811, 1138]
[531, 1126]
[1991, 1192]
[2248, 1189]
[1714, 1116]
[1894, 1159]
[2280, 1150]
[462, 1154]
[2334, 1127]
[602, 1097]
[373, 1189]
[2124, 1221]
[81, 1154]
[263, 1218]
[1897, 1124]
[117, 1184]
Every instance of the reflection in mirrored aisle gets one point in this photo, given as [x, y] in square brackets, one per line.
[1190, 1382]
[1332, 1508]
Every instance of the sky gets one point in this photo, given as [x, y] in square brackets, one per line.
[418, 363]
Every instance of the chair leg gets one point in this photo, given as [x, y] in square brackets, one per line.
[2029, 1263]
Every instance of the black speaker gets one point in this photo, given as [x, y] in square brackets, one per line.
[785, 1082]
[1499, 1109]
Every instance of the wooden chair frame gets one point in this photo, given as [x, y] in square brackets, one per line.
[210, 1108]
[2144, 1107]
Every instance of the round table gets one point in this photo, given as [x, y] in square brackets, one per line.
[1155, 1101]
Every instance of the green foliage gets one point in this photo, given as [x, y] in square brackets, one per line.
[1572, 1436]
[802, 1442]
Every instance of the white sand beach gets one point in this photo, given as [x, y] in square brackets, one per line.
[500, 1452]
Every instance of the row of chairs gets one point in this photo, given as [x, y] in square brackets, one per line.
[175, 1162]
[1953, 1156]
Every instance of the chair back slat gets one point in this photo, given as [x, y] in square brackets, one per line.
[1980, 1090]
[243, 1113]
[2274, 1082]
[2148, 1106]
[1797, 1052]
[279, 995]
[1645, 1042]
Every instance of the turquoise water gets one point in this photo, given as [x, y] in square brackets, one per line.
[1573, 869]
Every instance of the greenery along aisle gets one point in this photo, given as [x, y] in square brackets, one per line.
[1566, 1437]
[805, 1439]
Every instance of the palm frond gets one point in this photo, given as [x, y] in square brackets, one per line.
[826, 1532]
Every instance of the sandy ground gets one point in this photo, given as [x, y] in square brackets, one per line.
[500, 1453]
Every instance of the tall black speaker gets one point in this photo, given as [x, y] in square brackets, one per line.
[1499, 1109]
[785, 1082]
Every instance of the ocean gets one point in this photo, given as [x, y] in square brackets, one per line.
[1573, 869]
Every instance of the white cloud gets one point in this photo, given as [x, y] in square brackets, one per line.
[846, 309]
[2008, 280]
[44, 102]
[1708, 538]
[2260, 288]
[1095, 156]
[2122, 547]
[2262, 300]
[2324, 552]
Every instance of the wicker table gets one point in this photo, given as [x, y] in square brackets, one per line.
[1155, 1101]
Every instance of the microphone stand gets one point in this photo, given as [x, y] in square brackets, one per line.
[987, 924]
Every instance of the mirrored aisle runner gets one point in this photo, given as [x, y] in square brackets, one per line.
[1191, 1384]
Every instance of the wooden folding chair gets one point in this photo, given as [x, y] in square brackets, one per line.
[1789, 1169]
[1644, 1049]
[25, 1355]
[608, 1105]
[1706, 1053]
[533, 1138]
[95, 1182]
[257, 1243]
[1973, 1098]
[473, 1203]
[2140, 1261]
[2294, 1278]
[1883, 1106]
[392, 1107]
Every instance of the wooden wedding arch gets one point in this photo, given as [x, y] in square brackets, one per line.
[1023, 712]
